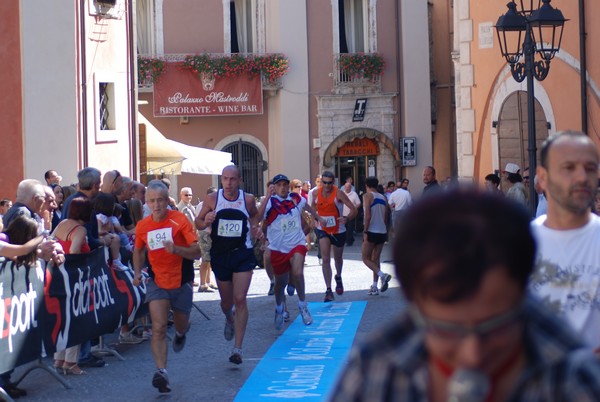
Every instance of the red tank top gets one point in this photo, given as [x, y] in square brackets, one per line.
[66, 244]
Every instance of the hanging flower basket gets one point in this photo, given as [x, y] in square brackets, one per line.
[362, 65]
[150, 69]
[272, 66]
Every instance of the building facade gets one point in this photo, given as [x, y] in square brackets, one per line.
[327, 112]
[491, 107]
[68, 98]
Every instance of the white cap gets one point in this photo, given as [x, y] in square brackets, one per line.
[512, 168]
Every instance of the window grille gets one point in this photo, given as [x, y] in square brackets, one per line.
[248, 158]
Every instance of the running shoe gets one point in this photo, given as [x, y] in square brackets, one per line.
[385, 282]
[179, 341]
[290, 289]
[271, 290]
[373, 291]
[339, 286]
[278, 320]
[161, 381]
[329, 297]
[229, 330]
[306, 317]
[236, 356]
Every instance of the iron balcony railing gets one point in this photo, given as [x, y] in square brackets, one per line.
[351, 75]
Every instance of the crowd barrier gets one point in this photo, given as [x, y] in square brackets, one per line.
[61, 306]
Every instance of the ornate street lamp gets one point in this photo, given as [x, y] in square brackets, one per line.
[527, 33]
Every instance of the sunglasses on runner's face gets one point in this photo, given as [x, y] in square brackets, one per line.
[326, 182]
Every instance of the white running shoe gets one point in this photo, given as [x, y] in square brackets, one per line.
[373, 291]
[306, 317]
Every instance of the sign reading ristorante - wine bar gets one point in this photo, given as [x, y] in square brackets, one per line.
[181, 92]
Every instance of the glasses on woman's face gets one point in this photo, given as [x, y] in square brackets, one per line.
[297, 186]
[455, 332]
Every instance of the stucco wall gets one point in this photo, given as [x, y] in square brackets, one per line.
[11, 125]
[49, 92]
[484, 89]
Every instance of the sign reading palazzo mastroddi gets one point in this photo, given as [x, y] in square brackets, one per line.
[180, 92]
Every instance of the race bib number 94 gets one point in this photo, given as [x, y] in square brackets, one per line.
[158, 236]
[230, 228]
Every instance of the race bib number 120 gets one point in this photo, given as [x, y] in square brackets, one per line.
[158, 236]
[230, 228]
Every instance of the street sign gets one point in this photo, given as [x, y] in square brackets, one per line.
[409, 151]
[360, 106]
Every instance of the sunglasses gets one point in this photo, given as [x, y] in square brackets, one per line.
[117, 175]
[326, 182]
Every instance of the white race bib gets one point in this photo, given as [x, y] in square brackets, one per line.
[158, 236]
[288, 225]
[230, 228]
[329, 221]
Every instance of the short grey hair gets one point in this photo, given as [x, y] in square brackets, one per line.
[157, 185]
[88, 177]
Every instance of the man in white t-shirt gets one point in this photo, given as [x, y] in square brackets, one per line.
[567, 272]
[399, 200]
[351, 225]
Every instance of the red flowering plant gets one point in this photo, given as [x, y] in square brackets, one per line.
[150, 69]
[362, 65]
[272, 66]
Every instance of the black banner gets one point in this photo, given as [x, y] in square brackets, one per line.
[84, 299]
[21, 299]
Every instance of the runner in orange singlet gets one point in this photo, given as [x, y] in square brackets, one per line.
[331, 229]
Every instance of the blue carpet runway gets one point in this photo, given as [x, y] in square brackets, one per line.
[305, 361]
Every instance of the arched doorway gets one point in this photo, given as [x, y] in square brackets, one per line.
[249, 159]
[377, 156]
[512, 130]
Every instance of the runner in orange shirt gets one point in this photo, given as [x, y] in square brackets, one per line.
[331, 230]
[172, 245]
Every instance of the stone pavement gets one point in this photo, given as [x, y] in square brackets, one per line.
[202, 371]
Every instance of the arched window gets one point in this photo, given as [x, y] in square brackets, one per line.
[250, 161]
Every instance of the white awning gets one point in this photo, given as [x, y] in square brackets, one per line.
[172, 157]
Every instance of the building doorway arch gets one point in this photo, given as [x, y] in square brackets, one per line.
[381, 163]
[512, 130]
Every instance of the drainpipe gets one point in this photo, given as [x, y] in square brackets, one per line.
[132, 66]
[400, 115]
[83, 110]
[583, 61]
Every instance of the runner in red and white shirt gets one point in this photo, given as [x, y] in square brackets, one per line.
[282, 213]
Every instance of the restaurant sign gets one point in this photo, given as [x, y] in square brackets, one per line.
[181, 92]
